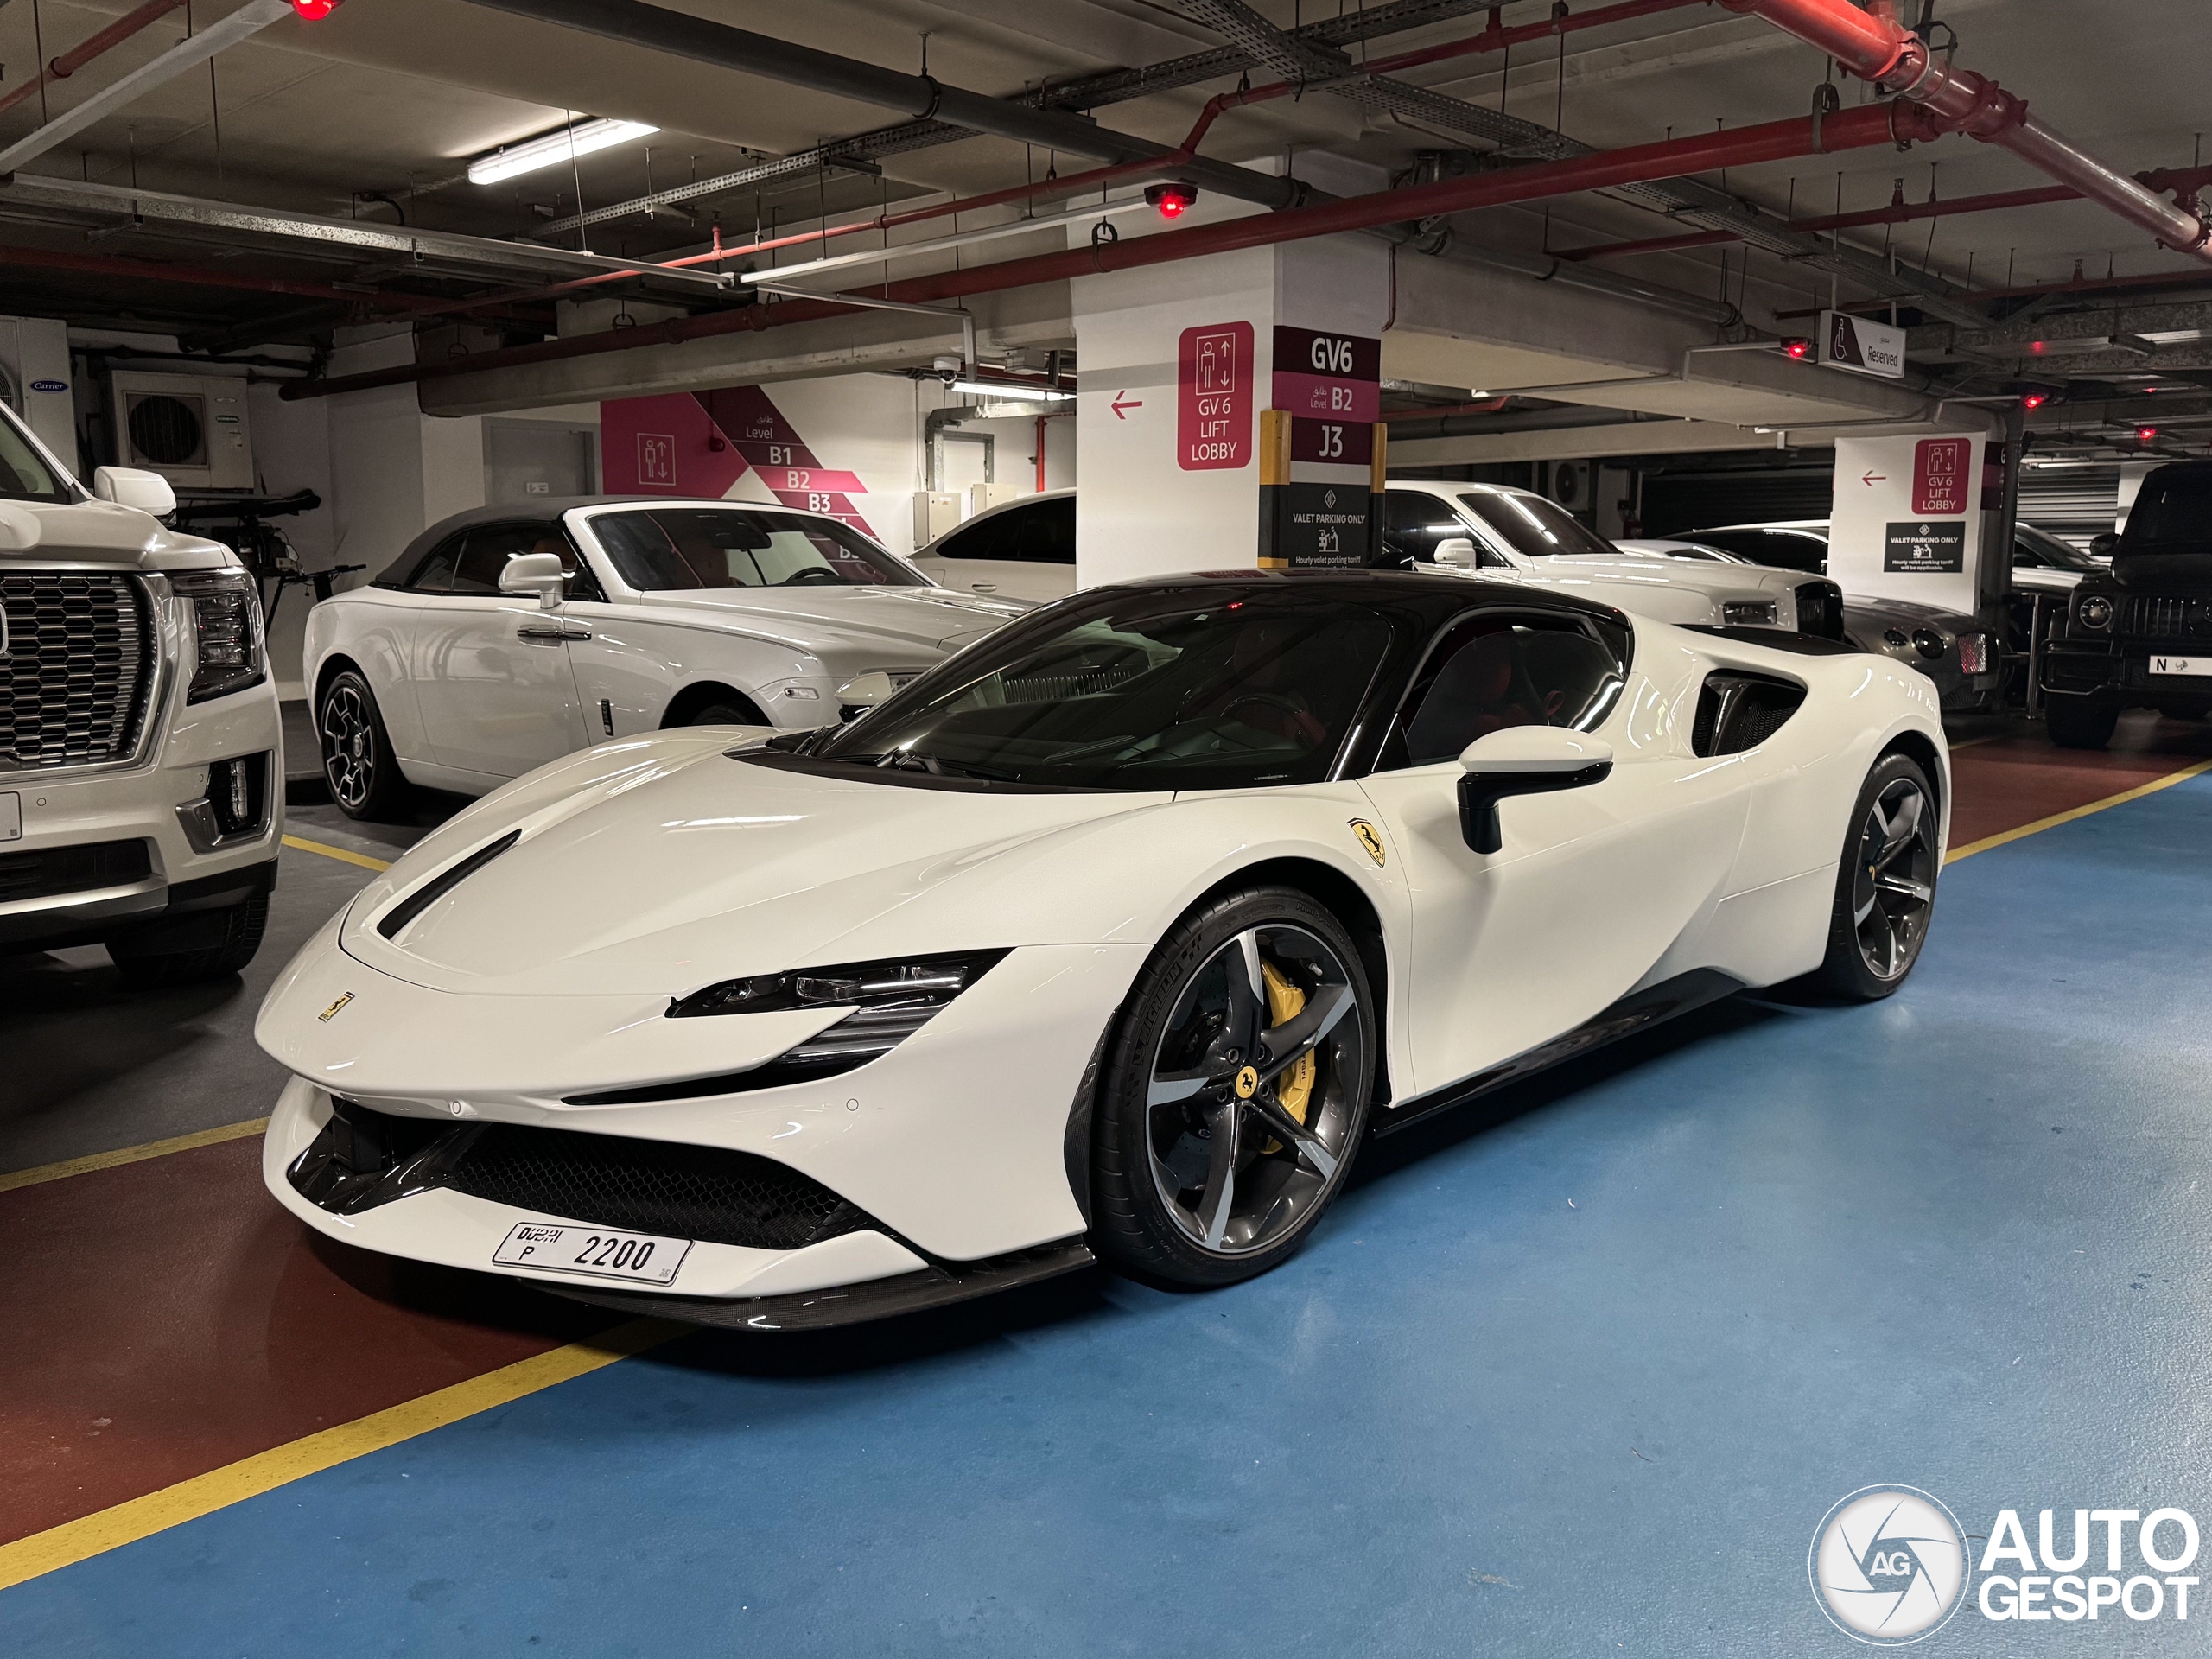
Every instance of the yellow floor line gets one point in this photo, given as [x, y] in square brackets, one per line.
[86, 1166]
[141, 1517]
[342, 853]
[2068, 817]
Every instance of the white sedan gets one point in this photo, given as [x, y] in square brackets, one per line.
[1026, 550]
[1117, 934]
[505, 637]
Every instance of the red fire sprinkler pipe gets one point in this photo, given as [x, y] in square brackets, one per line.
[1872, 45]
[77, 56]
[1775, 141]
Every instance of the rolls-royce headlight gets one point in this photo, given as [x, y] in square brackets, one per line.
[1751, 612]
[2095, 611]
[227, 620]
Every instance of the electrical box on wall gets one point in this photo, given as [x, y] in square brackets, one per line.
[935, 511]
[34, 381]
[191, 429]
[983, 497]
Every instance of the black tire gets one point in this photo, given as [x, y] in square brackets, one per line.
[1885, 890]
[1159, 1127]
[358, 764]
[233, 936]
[2081, 722]
[726, 713]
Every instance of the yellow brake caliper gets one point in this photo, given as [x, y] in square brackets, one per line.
[1294, 1087]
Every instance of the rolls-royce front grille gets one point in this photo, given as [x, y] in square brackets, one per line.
[76, 667]
[2149, 617]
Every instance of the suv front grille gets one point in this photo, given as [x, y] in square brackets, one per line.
[79, 666]
[2149, 617]
[364, 1159]
[56, 871]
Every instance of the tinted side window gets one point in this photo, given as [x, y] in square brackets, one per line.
[1497, 670]
[989, 537]
[486, 551]
[1045, 533]
[1413, 523]
[435, 574]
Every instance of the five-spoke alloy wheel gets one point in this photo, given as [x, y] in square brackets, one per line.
[1236, 1091]
[1886, 892]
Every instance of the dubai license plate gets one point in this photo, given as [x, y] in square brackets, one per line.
[594, 1252]
[2200, 666]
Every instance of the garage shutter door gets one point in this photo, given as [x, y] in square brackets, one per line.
[1674, 502]
[2074, 502]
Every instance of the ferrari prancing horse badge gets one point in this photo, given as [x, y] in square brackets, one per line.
[1370, 839]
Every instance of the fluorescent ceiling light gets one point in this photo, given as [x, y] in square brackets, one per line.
[548, 148]
[1025, 394]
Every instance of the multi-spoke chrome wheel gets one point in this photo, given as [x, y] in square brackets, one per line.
[1255, 1082]
[357, 761]
[1885, 893]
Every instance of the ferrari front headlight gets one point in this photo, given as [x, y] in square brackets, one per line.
[891, 1001]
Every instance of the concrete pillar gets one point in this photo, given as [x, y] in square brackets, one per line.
[1178, 364]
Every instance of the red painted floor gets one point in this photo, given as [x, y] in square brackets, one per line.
[166, 1318]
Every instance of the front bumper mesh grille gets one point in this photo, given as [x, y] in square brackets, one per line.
[78, 667]
[655, 1186]
[364, 1159]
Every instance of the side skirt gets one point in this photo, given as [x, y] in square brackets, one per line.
[878, 1299]
[1633, 1013]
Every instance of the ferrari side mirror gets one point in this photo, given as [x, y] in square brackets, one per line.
[1522, 760]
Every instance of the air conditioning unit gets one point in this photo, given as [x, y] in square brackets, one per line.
[34, 381]
[191, 429]
[1571, 481]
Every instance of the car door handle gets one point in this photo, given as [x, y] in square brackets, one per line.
[984, 587]
[574, 631]
[542, 633]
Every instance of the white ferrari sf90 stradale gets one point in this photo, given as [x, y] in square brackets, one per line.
[1118, 932]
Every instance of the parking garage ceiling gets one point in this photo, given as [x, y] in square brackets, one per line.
[315, 174]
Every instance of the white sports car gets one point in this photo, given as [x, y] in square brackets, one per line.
[507, 637]
[1118, 932]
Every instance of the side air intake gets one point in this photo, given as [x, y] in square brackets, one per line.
[1738, 711]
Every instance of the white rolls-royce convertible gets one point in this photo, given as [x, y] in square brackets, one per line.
[1115, 934]
[507, 637]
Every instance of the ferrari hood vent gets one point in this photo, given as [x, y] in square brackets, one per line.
[442, 884]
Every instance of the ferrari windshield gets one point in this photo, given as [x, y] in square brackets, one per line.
[1139, 690]
[1537, 528]
[656, 549]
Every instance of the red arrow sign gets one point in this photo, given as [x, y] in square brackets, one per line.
[1870, 479]
[1118, 405]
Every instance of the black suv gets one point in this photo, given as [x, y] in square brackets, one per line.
[2139, 635]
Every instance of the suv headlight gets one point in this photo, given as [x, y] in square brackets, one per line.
[2095, 613]
[227, 620]
[1751, 612]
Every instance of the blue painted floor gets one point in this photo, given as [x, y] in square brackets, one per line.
[1580, 1374]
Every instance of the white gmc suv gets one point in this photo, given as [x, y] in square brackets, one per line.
[140, 779]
